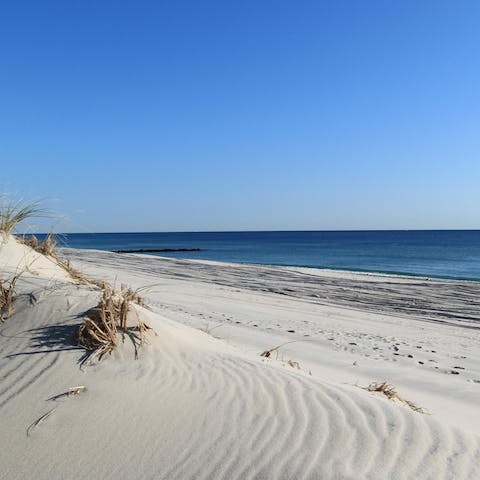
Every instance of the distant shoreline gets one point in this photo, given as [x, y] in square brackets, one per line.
[158, 250]
[420, 254]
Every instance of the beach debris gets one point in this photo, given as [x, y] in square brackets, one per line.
[291, 331]
[267, 353]
[206, 329]
[294, 364]
[36, 423]
[71, 391]
[290, 362]
[390, 392]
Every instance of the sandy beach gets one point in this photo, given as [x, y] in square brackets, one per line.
[240, 240]
[200, 402]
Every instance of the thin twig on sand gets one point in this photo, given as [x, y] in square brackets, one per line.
[267, 353]
[71, 391]
[36, 423]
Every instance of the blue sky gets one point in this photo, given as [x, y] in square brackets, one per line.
[178, 116]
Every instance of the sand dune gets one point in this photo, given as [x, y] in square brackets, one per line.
[194, 406]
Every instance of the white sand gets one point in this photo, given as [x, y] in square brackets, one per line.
[198, 407]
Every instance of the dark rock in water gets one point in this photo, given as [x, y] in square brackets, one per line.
[156, 250]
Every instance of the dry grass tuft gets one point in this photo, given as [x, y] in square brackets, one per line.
[99, 332]
[13, 212]
[77, 275]
[48, 246]
[390, 392]
[30, 241]
[7, 296]
[45, 247]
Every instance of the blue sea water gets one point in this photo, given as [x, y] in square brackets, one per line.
[442, 253]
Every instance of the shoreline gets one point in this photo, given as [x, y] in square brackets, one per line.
[449, 301]
[401, 275]
[446, 254]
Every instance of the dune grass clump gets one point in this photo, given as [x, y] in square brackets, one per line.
[45, 247]
[14, 212]
[77, 275]
[390, 392]
[7, 296]
[99, 333]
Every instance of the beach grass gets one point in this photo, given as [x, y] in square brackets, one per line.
[14, 212]
[7, 296]
[390, 392]
[45, 247]
[99, 332]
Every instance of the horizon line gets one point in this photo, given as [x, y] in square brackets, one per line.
[265, 231]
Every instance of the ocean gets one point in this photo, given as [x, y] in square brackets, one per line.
[442, 253]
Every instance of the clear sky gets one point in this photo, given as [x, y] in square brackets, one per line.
[219, 115]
